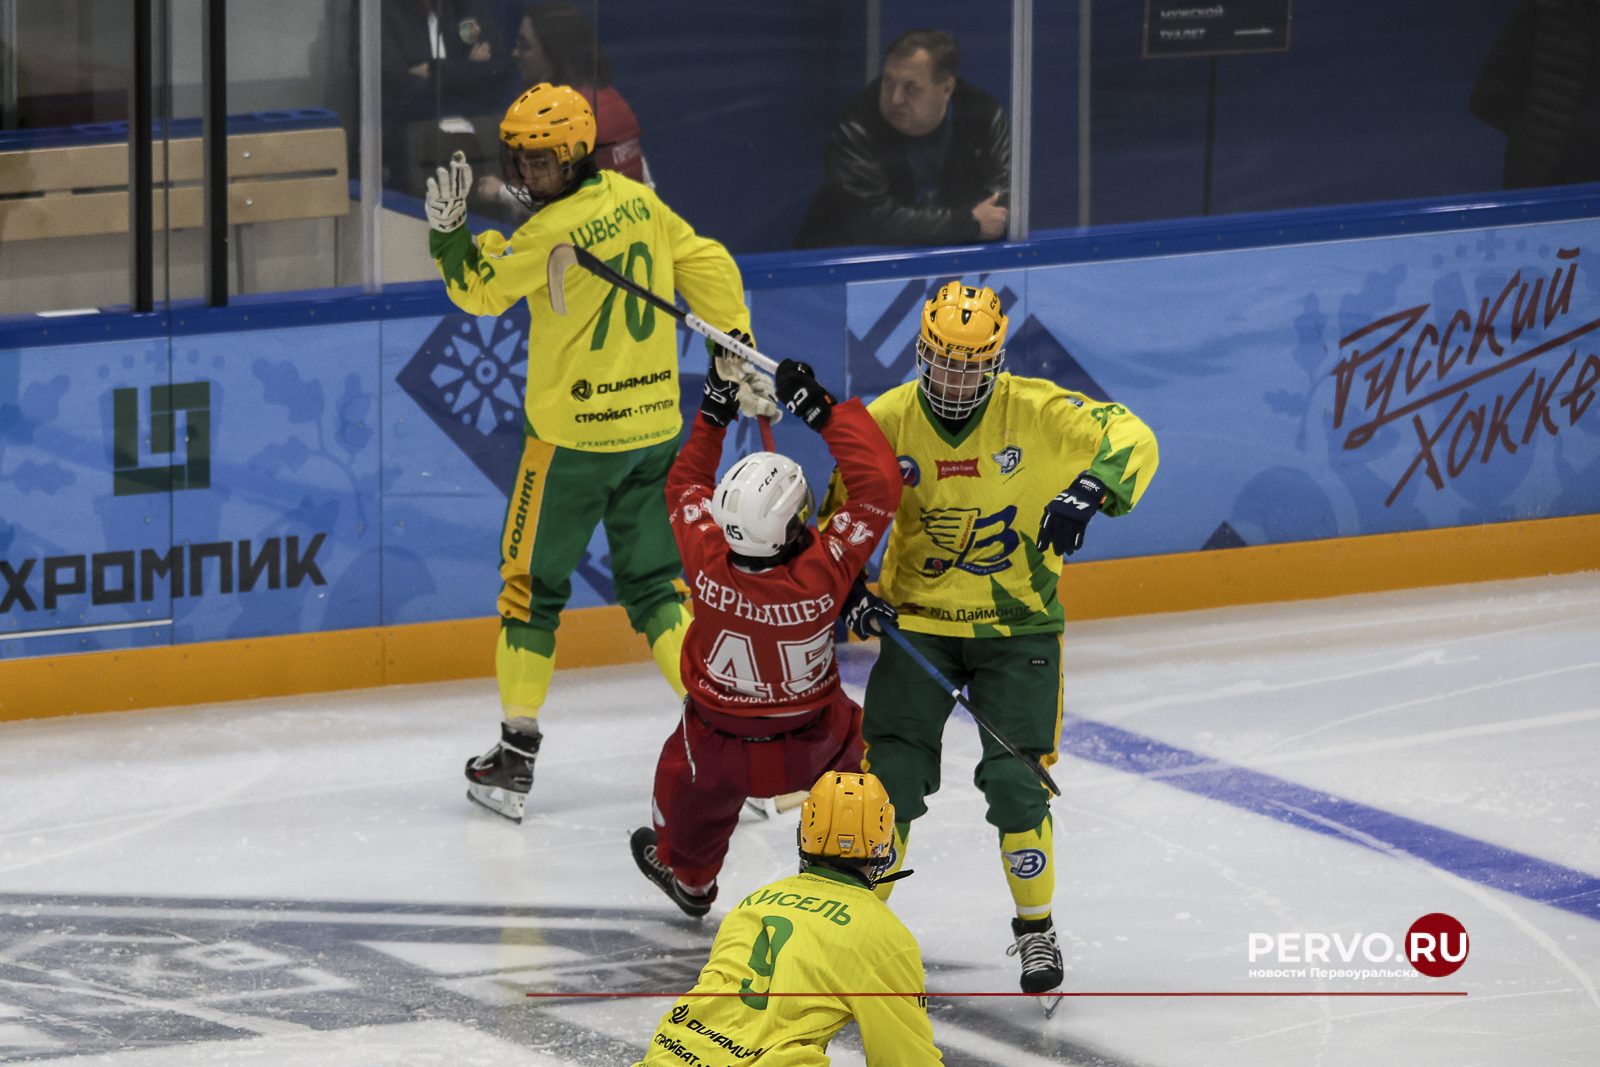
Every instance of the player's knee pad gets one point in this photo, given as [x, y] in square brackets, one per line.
[516, 595]
[1015, 796]
[1029, 860]
[908, 775]
[524, 662]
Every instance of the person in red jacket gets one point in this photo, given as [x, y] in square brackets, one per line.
[765, 713]
[556, 44]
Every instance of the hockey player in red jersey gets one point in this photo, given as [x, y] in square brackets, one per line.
[765, 714]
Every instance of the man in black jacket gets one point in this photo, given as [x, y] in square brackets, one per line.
[919, 157]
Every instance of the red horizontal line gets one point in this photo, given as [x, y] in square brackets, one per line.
[1311, 993]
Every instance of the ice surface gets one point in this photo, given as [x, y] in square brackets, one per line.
[302, 881]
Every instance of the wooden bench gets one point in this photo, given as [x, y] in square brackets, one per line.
[73, 190]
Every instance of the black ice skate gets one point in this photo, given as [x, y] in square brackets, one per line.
[644, 854]
[1041, 959]
[500, 778]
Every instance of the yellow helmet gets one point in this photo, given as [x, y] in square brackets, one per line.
[961, 346]
[848, 816]
[550, 116]
[965, 322]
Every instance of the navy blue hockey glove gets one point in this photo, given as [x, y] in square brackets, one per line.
[1068, 515]
[864, 612]
[720, 401]
[802, 394]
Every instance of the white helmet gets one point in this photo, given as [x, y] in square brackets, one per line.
[761, 503]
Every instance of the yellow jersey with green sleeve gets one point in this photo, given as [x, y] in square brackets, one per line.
[834, 952]
[604, 377]
[962, 559]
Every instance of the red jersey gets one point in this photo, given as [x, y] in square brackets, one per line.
[616, 133]
[762, 643]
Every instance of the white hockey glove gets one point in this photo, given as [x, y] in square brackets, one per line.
[757, 397]
[757, 400]
[446, 202]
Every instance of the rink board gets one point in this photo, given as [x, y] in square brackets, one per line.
[254, 483]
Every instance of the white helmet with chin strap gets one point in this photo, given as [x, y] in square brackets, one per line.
[762, 503]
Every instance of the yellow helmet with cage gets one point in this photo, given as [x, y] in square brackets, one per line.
[961, 347]
[848, 816]
[556, 117]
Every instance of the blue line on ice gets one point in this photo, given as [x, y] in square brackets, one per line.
[1477, 861]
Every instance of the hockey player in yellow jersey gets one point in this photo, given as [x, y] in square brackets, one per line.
[1002, 475]
[601, 402]
[796, 960]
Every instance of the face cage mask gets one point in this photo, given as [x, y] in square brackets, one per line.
[960, 375]
[510, 164]
[874, 874]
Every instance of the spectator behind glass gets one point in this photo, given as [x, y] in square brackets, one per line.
[556, 44]
[918, 157]
[442, 60]
[1540, 87]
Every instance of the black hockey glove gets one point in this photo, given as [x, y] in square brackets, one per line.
[720, 402]
[1068, 515]
[802, 394]
[864, 612]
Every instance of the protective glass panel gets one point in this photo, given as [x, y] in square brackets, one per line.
[450, 70]
[292, 129]
[1268, 105]
[737, 106]
[64, 77]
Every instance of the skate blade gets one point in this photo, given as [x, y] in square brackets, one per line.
[758, 806]
[503, 802]
[1050, 1002]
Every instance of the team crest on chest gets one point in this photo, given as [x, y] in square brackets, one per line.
[1008, 457]
[910, 473]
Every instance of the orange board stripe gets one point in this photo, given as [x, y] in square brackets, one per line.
[598, 637]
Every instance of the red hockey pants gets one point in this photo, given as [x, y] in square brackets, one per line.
[705, 773]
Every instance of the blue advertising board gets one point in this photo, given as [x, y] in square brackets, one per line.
[1306, 392]
[245, 482]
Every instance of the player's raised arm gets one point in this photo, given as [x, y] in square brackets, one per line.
[482, 276]
[866, 464]
[696, 465]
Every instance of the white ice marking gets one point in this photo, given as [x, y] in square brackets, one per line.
[1518, 680]
[949, 1035]
[1255, 686]
[1477, 999]
[15, 1035]
[1494, 902]
[103, 990]
[455, 958]
[1253, 635]
[241, 782]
